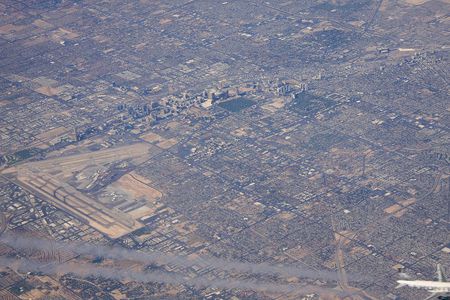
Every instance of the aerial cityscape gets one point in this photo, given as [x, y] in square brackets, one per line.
[243, 150]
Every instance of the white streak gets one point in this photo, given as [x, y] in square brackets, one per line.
[87, 270]
[119, 253]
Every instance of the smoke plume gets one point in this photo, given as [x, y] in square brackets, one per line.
[88, 270]
[119, 253]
